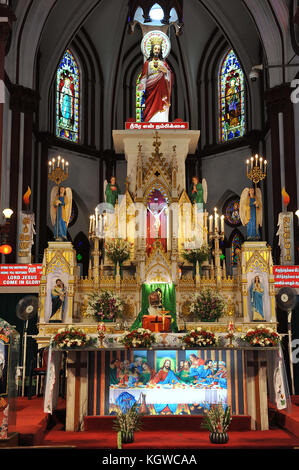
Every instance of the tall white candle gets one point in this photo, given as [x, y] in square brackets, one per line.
[90, 223]
[222, 223]
[251, 161]
[58, 160]
[210, 223]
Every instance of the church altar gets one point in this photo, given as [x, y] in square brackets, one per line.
[246, 373]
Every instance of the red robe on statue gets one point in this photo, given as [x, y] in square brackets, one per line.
[158, 90]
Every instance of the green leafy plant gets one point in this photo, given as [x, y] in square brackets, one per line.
[197, 254]
[217, 418]
[117, 250]
[127, 423]
[207, 305]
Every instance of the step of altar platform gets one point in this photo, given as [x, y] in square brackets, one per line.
[164, 423]
[287, 419]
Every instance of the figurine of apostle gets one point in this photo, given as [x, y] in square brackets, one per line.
[156, 81]
[256, 300]
[111, 191]
[198, 191]
[251, 211]
[58, 294]
[232, 102]
[60, 211]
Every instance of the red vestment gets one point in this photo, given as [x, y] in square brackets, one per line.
[157, 93]
[160, 376]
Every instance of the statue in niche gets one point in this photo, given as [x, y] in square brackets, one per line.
[112, 191]
[58, 294]
[251, 211]
[198, 192]
[60, 211]
[156, 214]
[156, 78]
[256, 300]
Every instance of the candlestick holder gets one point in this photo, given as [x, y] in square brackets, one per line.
[216, 233]
[256, 169]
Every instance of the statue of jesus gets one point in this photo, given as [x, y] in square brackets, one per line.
[156, 81]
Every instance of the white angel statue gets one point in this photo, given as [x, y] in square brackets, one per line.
[251, 211]
[60, 211]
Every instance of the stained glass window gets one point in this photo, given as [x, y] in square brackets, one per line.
[139, 101]
[232, 98]
[231, 211]
[237, 242]
[67, 98]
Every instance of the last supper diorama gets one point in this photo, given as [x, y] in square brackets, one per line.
[158, 321]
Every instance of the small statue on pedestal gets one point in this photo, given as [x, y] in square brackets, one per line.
[251, 211]
[60, 211]
[198, 192]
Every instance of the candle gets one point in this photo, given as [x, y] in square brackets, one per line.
[67, 167]
[62, 162]
[216, 222]
[222, 223]
[256, 158]
[58, 164]
[265, 163]
[50, 166]
[90, 223]
[93, 225]
[261, 162]
[210, 223]
[251, 161]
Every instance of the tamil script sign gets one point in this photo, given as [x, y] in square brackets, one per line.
[157, 125]
[286, 276]
[20, 274]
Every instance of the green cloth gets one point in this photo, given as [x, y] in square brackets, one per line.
[168, 302]
[185, 377]
[113, 376]
[112, 196]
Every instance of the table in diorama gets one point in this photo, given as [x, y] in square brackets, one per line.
[252, 375]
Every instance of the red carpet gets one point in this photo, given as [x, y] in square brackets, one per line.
[169, 432]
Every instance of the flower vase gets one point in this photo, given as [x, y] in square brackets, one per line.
[219, 437]
[127, 437]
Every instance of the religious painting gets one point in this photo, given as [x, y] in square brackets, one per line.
[67, 98]
[168, 382]
[232, 98]
[4, 361]
[258, 299]
[56, 300]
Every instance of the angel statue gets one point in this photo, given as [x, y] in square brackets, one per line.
[251, 211]
[198, 192]
[111, 191]
[60, 211]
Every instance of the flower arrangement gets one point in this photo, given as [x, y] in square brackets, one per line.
[262, 336]
[207, 305]
[104, 306]
[141, 338]
[217, 419]
[199, 337]
[197, 254]
[117, 250]
[71, 337]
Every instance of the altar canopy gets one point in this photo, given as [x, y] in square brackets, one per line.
[168, 302]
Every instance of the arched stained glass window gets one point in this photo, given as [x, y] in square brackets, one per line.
[236, 245]
[67, 98]
[139, 101]
[232, 98]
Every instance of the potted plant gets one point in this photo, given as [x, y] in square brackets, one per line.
[217, 421]
[127, 422]
[199, 337]
[118, 251]
[140, 338]
[207, 305]
[194, 255]
[261, 336]
[105, 306]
